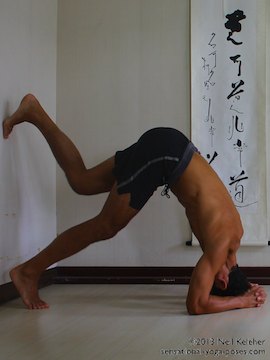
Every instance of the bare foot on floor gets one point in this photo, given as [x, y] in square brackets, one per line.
[27, 286]
[25, 112]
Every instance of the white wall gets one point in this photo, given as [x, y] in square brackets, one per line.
[123, 67]
[27, 186]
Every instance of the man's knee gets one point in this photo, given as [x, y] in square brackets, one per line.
[75, 182]
[80, 184]
[110, 228]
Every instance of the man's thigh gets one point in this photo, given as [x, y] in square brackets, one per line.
[117, 212]
[98, 179]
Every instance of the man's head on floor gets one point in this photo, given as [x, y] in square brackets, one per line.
[230, 283]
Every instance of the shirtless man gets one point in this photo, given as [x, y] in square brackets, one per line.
[162, 156]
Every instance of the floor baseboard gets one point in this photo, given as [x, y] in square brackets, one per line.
[143, 275]
[124, 275]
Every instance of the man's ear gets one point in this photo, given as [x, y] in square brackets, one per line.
[221, 284]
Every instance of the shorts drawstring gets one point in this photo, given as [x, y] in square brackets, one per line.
[165, 191]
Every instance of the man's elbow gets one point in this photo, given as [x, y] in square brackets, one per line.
[194, 308]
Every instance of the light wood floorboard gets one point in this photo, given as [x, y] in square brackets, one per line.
[129, 322]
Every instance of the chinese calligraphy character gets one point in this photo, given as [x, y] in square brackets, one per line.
[239, 146]
[239, 189]
[235, 60]
[210, 42]
[235, 126]
[235, 90]
[209, 67]
[234, 24]
[213, 157]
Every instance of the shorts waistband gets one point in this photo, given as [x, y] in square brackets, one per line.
[180, 168]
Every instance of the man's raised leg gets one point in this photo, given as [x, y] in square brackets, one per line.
[84, 181]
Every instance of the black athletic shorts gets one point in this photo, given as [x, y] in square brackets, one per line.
[158, 158]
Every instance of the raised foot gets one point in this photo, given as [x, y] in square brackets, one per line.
[7, 128]
[28, 106]
[27, 286]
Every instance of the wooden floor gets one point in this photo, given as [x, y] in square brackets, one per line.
[129, 322]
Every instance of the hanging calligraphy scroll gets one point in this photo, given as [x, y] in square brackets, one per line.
[228, 102]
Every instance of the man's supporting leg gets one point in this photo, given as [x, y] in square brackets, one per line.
[114, 216]
[84, 181]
